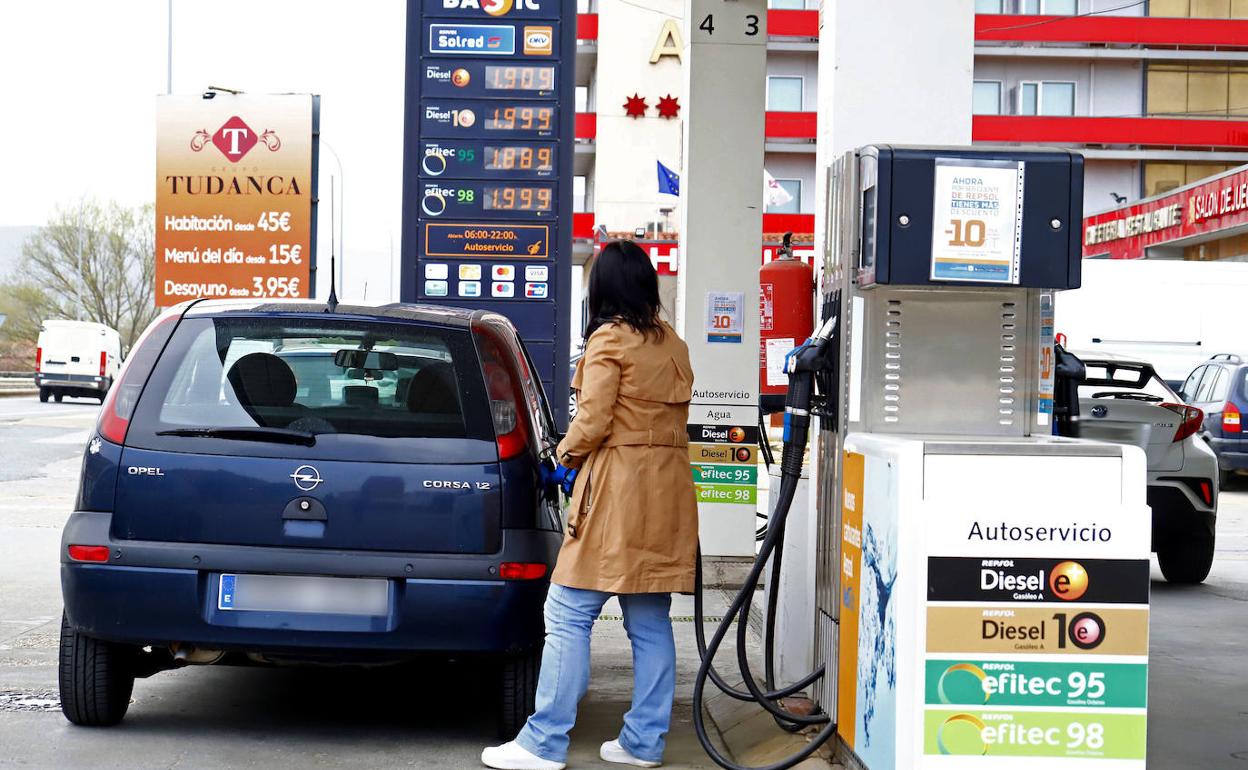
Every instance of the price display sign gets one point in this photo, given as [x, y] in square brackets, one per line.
[456, 78]
[494, 118]
[487, 213]
[488, 159]
[488, 200]
[234, 196]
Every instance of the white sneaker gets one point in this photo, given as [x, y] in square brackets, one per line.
[513, 756]
[612, 751]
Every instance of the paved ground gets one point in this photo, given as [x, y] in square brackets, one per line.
[440, 716]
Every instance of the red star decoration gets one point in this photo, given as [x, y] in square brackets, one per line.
[635, 106]
[668, 107]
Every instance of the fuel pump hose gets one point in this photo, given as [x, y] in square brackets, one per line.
[801, 364]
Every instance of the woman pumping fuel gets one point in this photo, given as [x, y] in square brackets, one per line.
[632, 523]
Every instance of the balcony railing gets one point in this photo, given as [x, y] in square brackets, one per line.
[1105, 29]
[1151, 132]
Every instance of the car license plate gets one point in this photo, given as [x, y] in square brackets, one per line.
[302, 593]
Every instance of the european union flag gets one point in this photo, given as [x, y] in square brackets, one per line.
[669, 181]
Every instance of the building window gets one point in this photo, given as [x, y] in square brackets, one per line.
[1049, 7]
[1046, 98]
[987, 98]
[787, 5]
[794, 205]
[578, 195]
[582, 99]
[988, 6]
[784, 94]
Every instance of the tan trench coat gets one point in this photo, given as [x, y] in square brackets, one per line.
[633, 518]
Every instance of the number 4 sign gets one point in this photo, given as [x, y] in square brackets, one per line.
[725, 316]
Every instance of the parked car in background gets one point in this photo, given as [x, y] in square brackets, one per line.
[273, 483]
[76, 358]
[1218, 388]
[1126, 402]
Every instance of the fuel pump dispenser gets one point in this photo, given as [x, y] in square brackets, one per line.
[981, 581]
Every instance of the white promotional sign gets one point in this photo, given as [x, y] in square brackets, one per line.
[977, 221]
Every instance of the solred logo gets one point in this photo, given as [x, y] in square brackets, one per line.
[234, 139]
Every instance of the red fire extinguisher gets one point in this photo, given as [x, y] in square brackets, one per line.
[786, 318]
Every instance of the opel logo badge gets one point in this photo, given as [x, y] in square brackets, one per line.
[1099, 411]
[307, 478]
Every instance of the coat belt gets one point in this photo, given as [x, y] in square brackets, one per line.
[671, 437]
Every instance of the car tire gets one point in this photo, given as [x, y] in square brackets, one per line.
[96, 678]
[519, 682]
[43, 395]
[1187, 561]
[58, 397]
[1226, 479]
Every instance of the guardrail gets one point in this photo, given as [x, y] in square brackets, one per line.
[17, 383]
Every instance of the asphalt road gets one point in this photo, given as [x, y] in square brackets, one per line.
[439, 717]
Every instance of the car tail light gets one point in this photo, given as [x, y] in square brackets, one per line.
[88, 552]
[38, 360]
[1230, 418]
[103, 361]
[123, 397]
[516, 570]
[1190, 419]
[503, 385]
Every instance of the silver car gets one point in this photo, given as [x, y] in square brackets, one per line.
[1124, 401]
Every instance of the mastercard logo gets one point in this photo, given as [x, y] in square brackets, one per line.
[1068, 581]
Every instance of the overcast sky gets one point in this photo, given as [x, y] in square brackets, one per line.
[79, 80]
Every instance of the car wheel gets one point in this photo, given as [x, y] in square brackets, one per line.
[58, 397]
[95, 677]
[43, 395]
[1187, 561]
[519, 691]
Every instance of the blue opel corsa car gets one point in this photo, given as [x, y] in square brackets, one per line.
[277, 483]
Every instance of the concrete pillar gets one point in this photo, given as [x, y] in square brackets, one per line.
[725, 66]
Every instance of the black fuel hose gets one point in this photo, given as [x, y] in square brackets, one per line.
[797, 424]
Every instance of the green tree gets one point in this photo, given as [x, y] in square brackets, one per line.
[95, 262]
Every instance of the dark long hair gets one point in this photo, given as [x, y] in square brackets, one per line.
[624, 287]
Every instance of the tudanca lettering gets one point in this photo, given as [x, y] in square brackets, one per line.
[207, 184]
[1025, 534]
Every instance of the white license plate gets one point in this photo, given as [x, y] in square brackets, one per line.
[302, 593]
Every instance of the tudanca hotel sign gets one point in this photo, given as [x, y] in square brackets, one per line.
[1217, 204]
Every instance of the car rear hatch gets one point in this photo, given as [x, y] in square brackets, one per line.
[1126, 403]
[313, 432]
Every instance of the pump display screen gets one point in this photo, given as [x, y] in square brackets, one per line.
[516, 198]
[519, 157]
[514, 117]
[510, 77]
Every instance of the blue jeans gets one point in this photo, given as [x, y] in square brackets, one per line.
[564, 678]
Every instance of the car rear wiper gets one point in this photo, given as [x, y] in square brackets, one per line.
[243, 433]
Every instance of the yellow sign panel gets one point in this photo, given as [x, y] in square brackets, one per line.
[723, 453]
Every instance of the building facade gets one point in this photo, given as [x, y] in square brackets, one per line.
[1153, 93]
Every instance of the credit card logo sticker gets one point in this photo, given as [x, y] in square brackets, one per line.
[469, 272]
[436, 288]
[539, 41]
[470, 288]
[478, 39]
[503, 289]
[536, 290]
[537, 273]
[504, 272]
[438, 271]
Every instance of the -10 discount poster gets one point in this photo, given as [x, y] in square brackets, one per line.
[977, 222]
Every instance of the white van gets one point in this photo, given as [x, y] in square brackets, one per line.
[76, 358]
[1172, 314]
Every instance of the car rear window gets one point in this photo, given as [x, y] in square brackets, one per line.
[327, 386]
[1124, 381]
